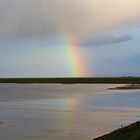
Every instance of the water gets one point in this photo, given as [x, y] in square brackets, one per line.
[129, 99]
[64, 112]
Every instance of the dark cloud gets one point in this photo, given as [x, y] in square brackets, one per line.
[104, 40]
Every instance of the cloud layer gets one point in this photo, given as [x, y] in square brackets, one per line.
[104, 40]
[40, 18]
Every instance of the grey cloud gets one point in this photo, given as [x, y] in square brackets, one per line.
[104, 40]
[40, 18]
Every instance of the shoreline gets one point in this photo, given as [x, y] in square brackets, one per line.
[126, 87]
[130, 132]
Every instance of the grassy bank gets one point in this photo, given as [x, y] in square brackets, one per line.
[88, 80]
[131, 132]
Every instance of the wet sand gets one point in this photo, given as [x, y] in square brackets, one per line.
[58, 112]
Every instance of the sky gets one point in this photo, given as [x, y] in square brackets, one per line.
[69, 38]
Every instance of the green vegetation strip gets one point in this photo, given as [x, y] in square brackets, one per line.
[88, 80]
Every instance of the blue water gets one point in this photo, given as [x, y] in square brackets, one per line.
[124, 99]
[128, 99]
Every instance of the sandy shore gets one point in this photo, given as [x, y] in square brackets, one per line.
[126, 87]
[33, 112]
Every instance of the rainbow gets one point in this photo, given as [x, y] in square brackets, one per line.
[70, 104]
[71, 107]
[75, 59]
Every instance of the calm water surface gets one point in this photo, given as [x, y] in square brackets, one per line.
[64, 112]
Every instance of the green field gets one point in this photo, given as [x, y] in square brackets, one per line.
[86, 80]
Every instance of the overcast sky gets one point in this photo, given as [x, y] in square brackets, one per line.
[33, 32]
